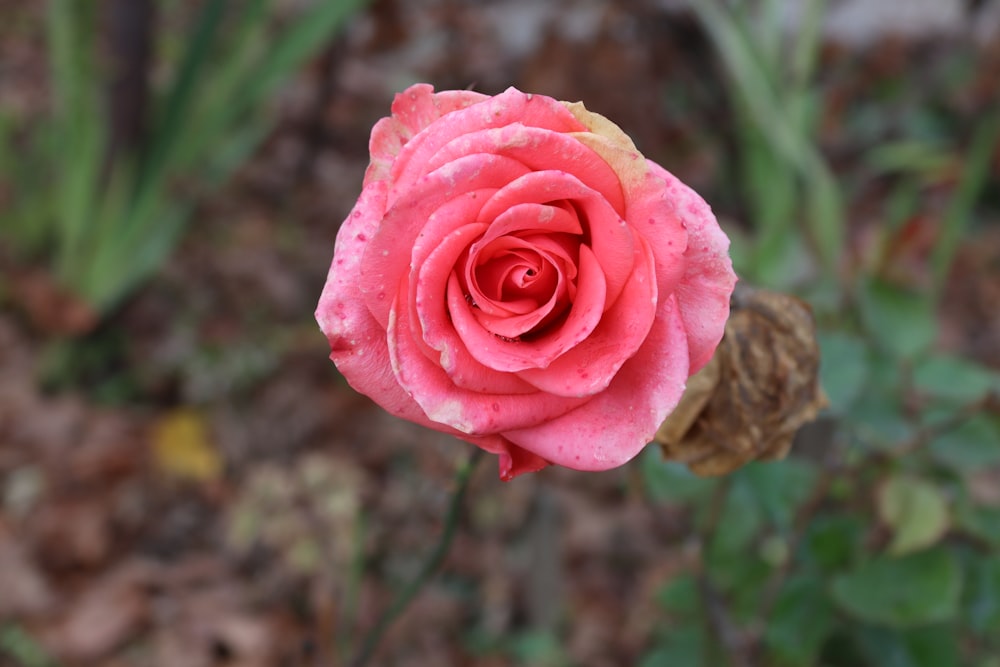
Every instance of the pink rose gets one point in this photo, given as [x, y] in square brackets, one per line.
[515, 273]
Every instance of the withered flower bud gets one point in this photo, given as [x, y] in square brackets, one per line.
[759, 388]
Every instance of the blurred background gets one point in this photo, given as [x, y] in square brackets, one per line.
[185, 480]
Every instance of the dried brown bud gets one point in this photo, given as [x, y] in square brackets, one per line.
[755, 393]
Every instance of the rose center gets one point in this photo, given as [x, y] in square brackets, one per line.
[518, 285]
[516, 275]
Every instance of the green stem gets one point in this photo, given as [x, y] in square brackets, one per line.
[430, 566]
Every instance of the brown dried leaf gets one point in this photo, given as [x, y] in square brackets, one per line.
[26, 591]
[50, 306]
[71, 532]
[755, 393]
[107, 615]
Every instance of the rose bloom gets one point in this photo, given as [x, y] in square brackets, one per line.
[517, 274]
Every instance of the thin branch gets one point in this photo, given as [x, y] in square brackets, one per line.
[720, 624]
[803, 517]
[427, 571]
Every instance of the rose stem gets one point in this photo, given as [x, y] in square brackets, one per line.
[430, 566]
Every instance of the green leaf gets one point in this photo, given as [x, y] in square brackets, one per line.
[880, 421]
[910, 155]
[670, 482]
[538, 648]
[680, 596]
[732, 561]
[976, 172]
[902, 592]
[980, 522]
[952, 379]
[982, 595]
[682, 645]
[915, 510]
[843, 368]
[880, 417]
[833, 542]
[900, 320]
[740, 521]
[801, 621]
[935, 646]
[972, 445]
[780, 488]
[22, 647]
[79, 129]
[774, 106]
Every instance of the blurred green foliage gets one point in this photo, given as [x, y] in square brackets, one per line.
[105, 216]
[18, 645]
[876, 543]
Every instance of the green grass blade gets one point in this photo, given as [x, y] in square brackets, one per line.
[780, 113]
[235, 60]
[79, 125]
[301, 40]
[768, 36]
[179, 100]
[958, 217]
[807, 45]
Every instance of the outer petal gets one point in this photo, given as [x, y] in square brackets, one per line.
[611, 143]
[357, 341]
[412, 110]
[704, 291]
[511, 106]
[513, 460]
[616, 424]
[418, 106]
[541, 150]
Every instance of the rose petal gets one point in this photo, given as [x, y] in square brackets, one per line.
[515, 326]
[611, 143]
[528, 217]
[451, 215]
[418, 106]
[617, 423]
[511, 106]
[357, 341]
[387, 139]
[609, 237]
[515, 281]
[412, 110]
[435, 331]
[512, 460]
[553, 282]
[470, 412]
[540, 150]
[704, 291]
[387, 257]
[591, 365]
[343, 317]
[502, 355]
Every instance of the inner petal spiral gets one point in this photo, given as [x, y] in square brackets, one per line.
[517, 278]
[518, 285]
